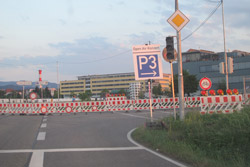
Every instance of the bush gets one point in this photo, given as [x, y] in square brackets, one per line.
[204, 140]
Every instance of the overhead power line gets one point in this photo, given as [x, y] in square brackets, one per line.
[210, 15]
[213, 1]
[119, 54]
[101, 59]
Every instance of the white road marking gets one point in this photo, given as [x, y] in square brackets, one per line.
[73, 149]
[44, 125]
[38, 154]
[44, 120]
[37, 159]
[41, 136]
[137, 116]
[151, 151]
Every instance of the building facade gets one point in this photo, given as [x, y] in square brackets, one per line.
[204, 63]
[112, 82]
[165, 82]
[134, 90]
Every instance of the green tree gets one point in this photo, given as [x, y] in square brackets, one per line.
[56, 94]
[89, 93]
[141, 94]
[122, 91]
[190, 83]
[72, 94]
[157, 90]
[47, 93]
[222, 85]
[167, 92]
[85, 96]
[13, 95]
[82, 96]
[37, 91]
[2, 94]
[104, 92]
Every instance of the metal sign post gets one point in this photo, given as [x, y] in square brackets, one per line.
[178, 20]
[172, 75]
[169, 55]
[147, 65]
[23, 83]
[150, 100]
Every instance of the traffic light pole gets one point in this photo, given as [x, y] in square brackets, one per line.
[225, 52]
[173, 93]
[180, 71]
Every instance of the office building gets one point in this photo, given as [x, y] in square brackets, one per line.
[111, 82]
[204, 63]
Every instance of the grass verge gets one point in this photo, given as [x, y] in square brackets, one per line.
[217, 140]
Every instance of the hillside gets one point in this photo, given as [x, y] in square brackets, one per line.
[12, 85]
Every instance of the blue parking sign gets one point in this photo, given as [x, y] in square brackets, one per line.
[147, 64]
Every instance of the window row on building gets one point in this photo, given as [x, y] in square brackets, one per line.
[215, 68]
[73, 83]
[111, 82]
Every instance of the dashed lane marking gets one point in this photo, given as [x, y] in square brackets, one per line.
[44, 125]
[41, 136]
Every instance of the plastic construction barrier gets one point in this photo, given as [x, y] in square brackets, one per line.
[221, 104]
[210, 104]
[247, 99]
[117, 104]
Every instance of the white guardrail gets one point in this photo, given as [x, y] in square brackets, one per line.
[207, 104]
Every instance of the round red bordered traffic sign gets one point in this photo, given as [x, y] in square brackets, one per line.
[33, 96]
[44, 109]
[94, 108]
[205, 83]
[68, 109]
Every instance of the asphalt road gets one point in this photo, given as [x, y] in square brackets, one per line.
[70, 140]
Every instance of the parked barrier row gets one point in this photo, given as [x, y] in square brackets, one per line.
[209, 104]
[221, 104]
[94, 106]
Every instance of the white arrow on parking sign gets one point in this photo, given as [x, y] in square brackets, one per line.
[154, 73]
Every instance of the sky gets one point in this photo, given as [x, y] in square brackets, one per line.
[76, 37]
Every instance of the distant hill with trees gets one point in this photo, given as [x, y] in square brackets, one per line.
[12, 85]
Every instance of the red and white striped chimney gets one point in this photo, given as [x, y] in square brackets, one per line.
[40, 75]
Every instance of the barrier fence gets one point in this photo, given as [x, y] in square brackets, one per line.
[207, 104]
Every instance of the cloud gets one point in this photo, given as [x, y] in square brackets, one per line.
[93, 56]
[70, 10]
[62, 22]
[1, 37]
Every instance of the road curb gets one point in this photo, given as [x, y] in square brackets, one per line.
[151, 151]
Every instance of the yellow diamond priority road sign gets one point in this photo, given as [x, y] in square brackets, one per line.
[178, 20]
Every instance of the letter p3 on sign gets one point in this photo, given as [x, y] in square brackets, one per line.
[147, 63]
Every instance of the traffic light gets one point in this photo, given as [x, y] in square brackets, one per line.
[230, 65]
[221, 68]
[170, 48]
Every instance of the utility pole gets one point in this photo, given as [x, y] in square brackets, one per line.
[225, 52]
[180, 71]
[57, 81]
[173, 93]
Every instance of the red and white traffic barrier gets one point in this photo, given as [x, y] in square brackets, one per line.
[221, 104]
[209, 104]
